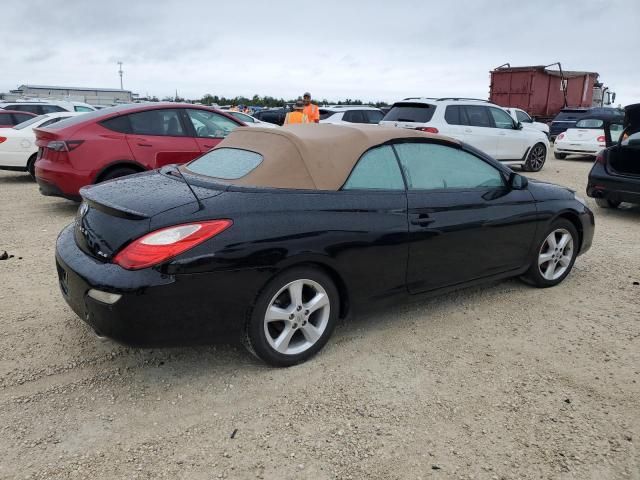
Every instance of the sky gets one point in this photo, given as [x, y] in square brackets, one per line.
[370, 50]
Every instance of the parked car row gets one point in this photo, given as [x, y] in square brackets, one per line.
[40, 107]
[18, 149]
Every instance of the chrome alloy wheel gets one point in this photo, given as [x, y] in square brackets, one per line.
[555, 254]
[296, 317]
[537, 157]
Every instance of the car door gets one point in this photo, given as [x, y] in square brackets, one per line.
[465, 222]
[159, 137]
[479, 130]
[208, 128]
[371, 214]
[512, 143]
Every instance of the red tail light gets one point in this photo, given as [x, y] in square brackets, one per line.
[601, 139]
[428, 129]
[560, 137]
[164, 244]
[68, 146]
[2, 139]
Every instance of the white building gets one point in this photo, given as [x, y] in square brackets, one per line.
[92, 96]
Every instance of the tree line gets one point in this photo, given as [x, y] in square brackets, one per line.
[262, 101]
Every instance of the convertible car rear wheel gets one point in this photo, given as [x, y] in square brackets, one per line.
[555, 255]
[293, 317]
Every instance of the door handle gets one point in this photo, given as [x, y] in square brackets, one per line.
[502, 133]
[422, 220]
[208, 146]
[144, 144]
[468, 130]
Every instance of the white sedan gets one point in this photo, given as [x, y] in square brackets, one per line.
[18, 147]
[250, 121]
[586, 138]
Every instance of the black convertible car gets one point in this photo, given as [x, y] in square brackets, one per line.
[277, 233]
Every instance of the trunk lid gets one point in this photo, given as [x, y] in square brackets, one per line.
[583, 134]
[116, 212]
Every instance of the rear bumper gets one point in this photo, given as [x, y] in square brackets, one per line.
[577, 149]
[602, 184]
[155, 309]
[60, 180]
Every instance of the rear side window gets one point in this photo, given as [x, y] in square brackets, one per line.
[478, 116]
[377, 169]
[80, 108]
[354, 116]
[226, 163]
[118, 124]
[455, 115]
[52, 121]
[37, 109]
[5, 119]
[410, 112]
[30, 122]
[157, 122]
[590, 123]
[51, 109]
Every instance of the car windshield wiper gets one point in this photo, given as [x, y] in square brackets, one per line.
[177, 170]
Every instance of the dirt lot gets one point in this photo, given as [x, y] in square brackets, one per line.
[499, 382]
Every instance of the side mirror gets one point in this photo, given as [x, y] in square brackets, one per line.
[518, 182]
[517, 126]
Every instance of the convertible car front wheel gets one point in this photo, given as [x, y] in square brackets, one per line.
[293, 317]
[555, 255]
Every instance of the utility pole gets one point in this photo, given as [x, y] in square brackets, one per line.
[120, 72]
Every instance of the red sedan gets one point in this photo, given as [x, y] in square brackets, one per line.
[118, 141]
[9, 118]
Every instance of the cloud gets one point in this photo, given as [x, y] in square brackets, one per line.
[359, 49]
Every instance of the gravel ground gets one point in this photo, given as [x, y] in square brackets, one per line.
[499, 382]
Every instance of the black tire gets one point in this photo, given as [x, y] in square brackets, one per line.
[534, 275]
[117, 173]
[606, 203]
[559, 156]
[31, 165]
[535, 158]
[255, 338]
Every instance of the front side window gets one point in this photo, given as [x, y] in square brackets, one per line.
[478, 116]
[211, 125]
[242, 117]
[157, 122]
[81, 108]
[226, 163]
[501, 118]
[377, 169]
[374, 116]
[523, 117]
[430, 166]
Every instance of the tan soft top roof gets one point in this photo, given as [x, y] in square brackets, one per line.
[312, 156]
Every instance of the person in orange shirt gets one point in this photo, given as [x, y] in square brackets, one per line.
[310, 109]
[297, 115]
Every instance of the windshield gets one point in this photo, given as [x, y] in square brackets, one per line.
[410, 112]
[225, 163]
[30, 122]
